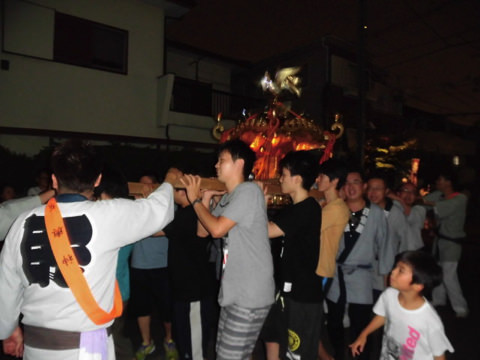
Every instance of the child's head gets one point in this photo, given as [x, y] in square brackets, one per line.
[301, 163]
[76, 166]
[418, 268]
[239, 150]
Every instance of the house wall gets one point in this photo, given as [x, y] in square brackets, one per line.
[41, 94]
[199, 68]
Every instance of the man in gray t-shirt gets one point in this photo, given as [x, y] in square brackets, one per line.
[248, 267]
[240, 219]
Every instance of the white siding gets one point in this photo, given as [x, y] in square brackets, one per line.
[41, 94]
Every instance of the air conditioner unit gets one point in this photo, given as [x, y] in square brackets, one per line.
[164, 96]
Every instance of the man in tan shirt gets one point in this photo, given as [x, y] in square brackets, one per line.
[335, 214]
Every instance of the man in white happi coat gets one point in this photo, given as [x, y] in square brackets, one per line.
[450, 207]
[55, 326]
[415, 213]
[377, 190]
[364, 241]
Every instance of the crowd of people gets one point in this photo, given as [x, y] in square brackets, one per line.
[350, 250]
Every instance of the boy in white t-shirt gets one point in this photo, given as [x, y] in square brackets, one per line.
[413, 329]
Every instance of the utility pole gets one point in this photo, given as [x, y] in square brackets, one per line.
[362, 79]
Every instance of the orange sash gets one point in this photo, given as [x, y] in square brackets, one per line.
[70, 269]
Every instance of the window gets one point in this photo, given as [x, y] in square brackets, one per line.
[43, 33]
[86, 43]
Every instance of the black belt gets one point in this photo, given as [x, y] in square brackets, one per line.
[50, 339]
[455, 240]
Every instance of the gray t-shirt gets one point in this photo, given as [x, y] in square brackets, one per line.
[150, 253]
[247, 279]
[450, 213]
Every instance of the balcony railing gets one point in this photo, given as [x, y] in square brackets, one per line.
[194, 97]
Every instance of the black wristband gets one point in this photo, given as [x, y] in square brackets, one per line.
[196, 201]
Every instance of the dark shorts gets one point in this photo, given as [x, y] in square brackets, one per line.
[295, 326]
[275, 326]
[150, 290]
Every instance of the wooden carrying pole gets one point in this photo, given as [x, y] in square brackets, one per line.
[135, 188]
[273, 187]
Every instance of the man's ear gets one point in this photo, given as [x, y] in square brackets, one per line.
[97, 182]
[240, 163]
[54, 182]
[334, 182]
[297, 179]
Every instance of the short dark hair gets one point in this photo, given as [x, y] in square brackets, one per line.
[113, 183]
[151, 175]
[451, 175]
[240, 150]
[358, 170]
[334, 169]
[402, 185]
[381, 175]
[301, 163]
[76, 165]
[425, 270]
[41, 171]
